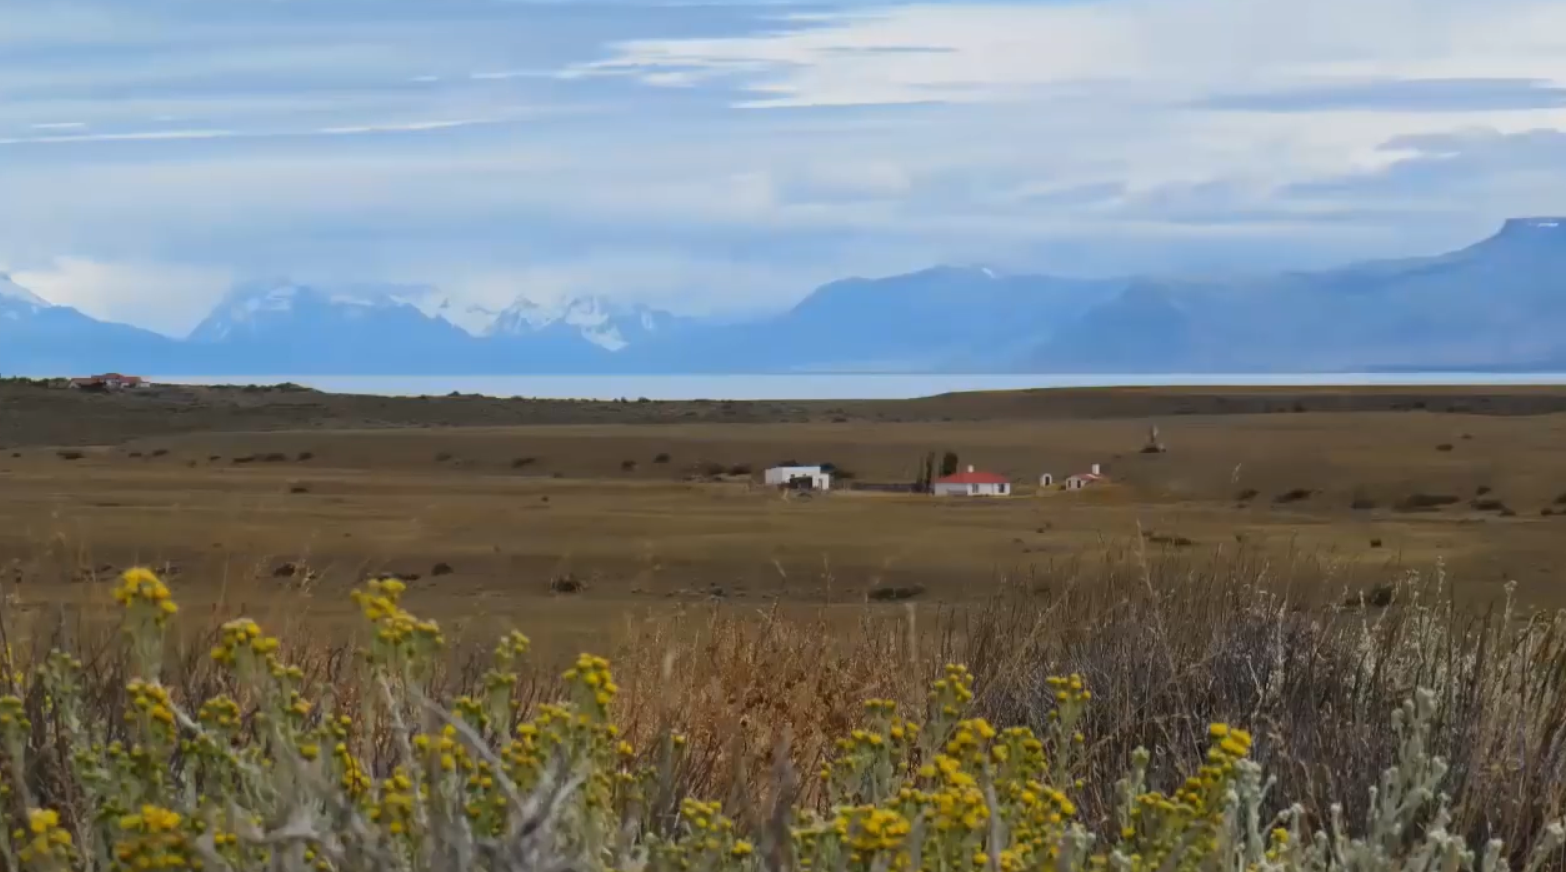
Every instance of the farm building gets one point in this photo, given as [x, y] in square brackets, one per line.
[109, 381]
[972, 484]
[1085, 479]
[799, 477]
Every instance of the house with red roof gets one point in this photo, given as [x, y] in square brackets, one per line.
[972, 483]
[109, 381]
[1084, 480]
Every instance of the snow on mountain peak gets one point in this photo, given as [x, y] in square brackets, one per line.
[10, 290]
[602, 322]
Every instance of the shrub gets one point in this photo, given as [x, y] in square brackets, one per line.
[1444, 446]
[627, 466]
[1422, 502]
[894, 593]
[522, 462]
[403, 777]
[1247, 495]
[662, 457]
[740, 469]
[1362, 503]
[566, 583]
[1294, 496]
[69, 454]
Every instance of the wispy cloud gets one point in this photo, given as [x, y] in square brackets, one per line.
[135, 136]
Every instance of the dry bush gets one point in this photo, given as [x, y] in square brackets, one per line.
[1168, 646]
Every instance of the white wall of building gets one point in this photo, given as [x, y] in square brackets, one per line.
[782, 475]
[971, 490]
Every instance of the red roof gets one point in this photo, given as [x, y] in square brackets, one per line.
[974, 478]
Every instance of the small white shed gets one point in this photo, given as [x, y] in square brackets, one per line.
[800, 477]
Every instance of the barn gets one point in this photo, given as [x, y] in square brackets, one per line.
[972, 484]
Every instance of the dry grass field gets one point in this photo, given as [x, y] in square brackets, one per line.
[491, 518]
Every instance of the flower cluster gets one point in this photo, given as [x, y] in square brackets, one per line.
[142, 588]
[153, 838]
[45, 843]
[243, 635]
[399, 636]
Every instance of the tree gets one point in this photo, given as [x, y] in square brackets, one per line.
[926, 473]
[949, 464]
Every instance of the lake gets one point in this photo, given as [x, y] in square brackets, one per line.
[828, 386]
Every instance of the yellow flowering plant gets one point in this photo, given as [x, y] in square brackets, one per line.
[261, 777]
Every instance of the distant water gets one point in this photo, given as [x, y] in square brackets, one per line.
[828, 387]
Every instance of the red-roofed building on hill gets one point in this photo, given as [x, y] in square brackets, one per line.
[972, 484]
[109, 381]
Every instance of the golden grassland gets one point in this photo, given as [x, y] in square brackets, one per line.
[511, 510]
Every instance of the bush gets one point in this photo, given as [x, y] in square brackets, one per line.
[1247, 495]
[1362, 503]
[1296, 495]
[895, 593]
[662, 457]
[69, 454]
[1422, 502]
[627, 466]
[402, 775]
[566, 583]
[523, 462]
[740, 469]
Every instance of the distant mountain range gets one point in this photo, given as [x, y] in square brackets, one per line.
[1497, 305]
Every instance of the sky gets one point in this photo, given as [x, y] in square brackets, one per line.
[727, 157]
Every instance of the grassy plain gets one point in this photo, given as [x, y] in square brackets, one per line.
[626, 510]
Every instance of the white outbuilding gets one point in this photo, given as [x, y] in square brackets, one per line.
[799, 477]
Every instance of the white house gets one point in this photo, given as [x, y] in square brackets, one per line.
[803, 477]
[1082, 480]
[1046, 480]
[972, 484]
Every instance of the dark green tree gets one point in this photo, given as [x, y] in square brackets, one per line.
[949, 464]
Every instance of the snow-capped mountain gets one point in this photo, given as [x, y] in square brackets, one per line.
[39, 338]
[599, 321]
[286, 327]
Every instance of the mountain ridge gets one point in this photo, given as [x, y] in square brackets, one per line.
[1498, 303]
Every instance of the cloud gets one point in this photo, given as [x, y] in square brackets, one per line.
[1402, 95]
[1142, 49]
[730, 155]
[168, 298]
[135, 136]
